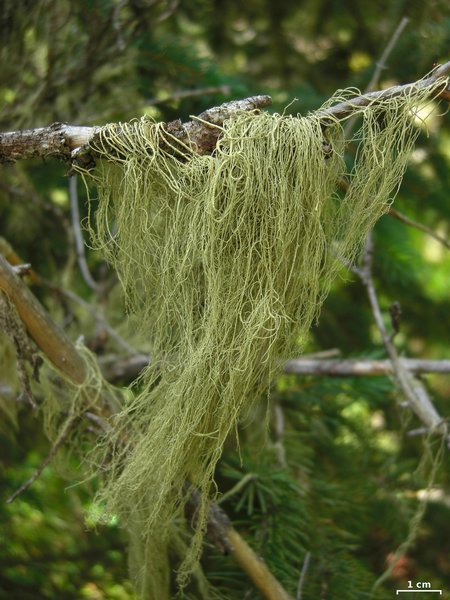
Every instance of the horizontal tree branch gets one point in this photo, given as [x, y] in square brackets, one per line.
[63, 141]
[58, 140]
[127, 369]
[354, 367]
[342, 110]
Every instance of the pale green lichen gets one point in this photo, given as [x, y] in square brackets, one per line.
[226, 259]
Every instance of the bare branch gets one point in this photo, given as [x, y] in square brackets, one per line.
[414, 391]
[381, 64]
[47, 335]
[256, 568]
[56, 446]
[355, 367]
[404, 219]
[301, 581]
[79, 243]
[118, 368]
[343, 110]
[56, 140]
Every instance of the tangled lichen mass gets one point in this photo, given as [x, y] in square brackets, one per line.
[226, 259]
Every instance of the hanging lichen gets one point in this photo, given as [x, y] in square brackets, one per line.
[226, 260]
[66, 407]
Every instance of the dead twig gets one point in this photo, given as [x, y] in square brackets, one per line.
[78, 236]
[408, 221]
[415, 393]
[116, 368]
[301, 581]
[56, 446]
[380, 66]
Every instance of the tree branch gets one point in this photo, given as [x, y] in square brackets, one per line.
[381, 63]
[127, 369]
[256, 568]
[62, 140]
[415, 393]
[54, 449]
[79, 242]
[408, 221]
[380, 66]
[48, 336]
[342, 110]
[355, 367]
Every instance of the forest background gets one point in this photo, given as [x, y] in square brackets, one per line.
[330, 489]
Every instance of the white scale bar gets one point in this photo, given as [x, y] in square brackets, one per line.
[435, 591]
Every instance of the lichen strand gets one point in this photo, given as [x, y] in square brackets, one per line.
[227, 259]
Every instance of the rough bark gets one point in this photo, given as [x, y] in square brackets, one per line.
[65, 141]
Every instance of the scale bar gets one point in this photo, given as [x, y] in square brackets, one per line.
[435, 591]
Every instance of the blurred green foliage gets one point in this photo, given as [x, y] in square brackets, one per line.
[350, 481]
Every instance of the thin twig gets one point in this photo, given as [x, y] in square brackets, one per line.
[116, 368]
[404, 219]
[100, 319]
[280, 424]
[79, 243]
[380, 66]
[301, 581]
[417, 396]
[56, 446]
[363, 367]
